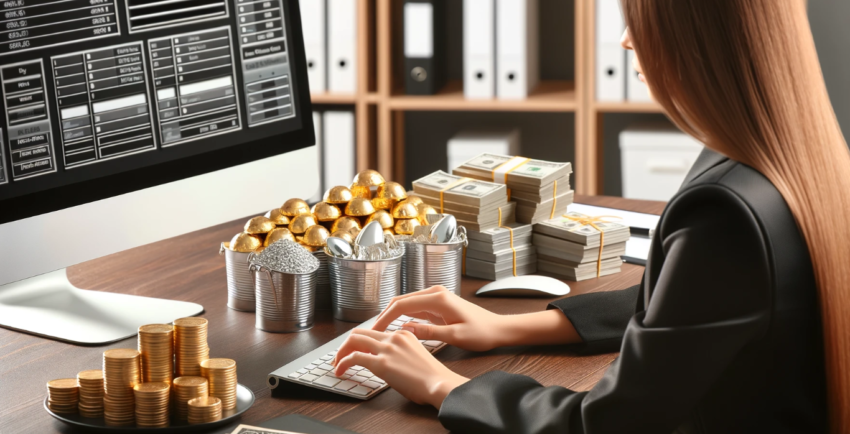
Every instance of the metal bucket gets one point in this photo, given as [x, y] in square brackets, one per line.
[240, 282]
[285, 302]
[362, 289]
[427, 265]
[323, 282]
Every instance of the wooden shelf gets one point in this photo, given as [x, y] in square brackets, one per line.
[333, 98]
[628, 107]
[548, 96]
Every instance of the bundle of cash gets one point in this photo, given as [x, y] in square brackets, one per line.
[489, 254]
[540, 188]
[477, 205]
[570, 248]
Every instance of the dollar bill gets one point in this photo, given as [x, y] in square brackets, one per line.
[474, 192]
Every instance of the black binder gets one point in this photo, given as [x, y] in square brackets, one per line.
[427, 75]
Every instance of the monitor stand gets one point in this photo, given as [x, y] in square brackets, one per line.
[50, 306]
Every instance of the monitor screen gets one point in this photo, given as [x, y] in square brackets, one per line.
[105, 97]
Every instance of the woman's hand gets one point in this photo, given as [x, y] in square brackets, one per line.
[402, 361]
[455, 321]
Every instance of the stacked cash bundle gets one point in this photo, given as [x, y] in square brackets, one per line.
[570, 249]
[541, 189]
[489, 254]
[475, 204]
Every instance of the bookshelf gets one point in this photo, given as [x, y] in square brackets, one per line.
[380, 102]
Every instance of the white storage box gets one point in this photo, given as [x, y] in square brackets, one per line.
[470, 143]
[655, 159]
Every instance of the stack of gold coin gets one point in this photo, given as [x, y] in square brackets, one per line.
[91, 393]
[190, 345]
[156, 345]
[221, 374]
[63, 395]
[185, 389]
[152, 404]
[204, 409]
[120, 375]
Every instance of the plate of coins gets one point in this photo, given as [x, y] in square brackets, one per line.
[167, 384]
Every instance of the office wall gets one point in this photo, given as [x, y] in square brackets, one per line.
[829, 19]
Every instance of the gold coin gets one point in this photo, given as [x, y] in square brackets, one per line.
[383, 217]
[406, 226]
[416, 200]
[316, 236]
[156, 328]
[121, 353]
[277, 235]
[359, 207]
[219, 363]
[91, 374]
[344, 234]
[259, 225]
[191, 321]
[294, 207]
[63, 383]
[190, 381]
[338, 195]
[345, 223]
[245, 243]
[326, 212]
[157, 387]
[405, 210]
[368, 178]
[277, 217]
[300, 223]
[204, 402]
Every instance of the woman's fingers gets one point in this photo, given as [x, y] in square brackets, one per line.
[430, 332]
[433, 302]
[358, 342]
[368, 361]
[431, 290]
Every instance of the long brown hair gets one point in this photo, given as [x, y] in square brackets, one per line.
[743, 77]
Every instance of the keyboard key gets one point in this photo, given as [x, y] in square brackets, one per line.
[345, 385]
[378, 380]
[310, 367]
[360, 390]
[327, 357]
[327, 381]
[422, 321]
[432, 343]
[318, 372]
[357, 368]
[317, 362]
[405, 318]
[393, 328]
[371, 384]
[345, 376]
[397, 323]
[308, 377]
[302, 371]
[358, 378]
[365, 373]
[326, 367]
[294, 375]
[351, 372]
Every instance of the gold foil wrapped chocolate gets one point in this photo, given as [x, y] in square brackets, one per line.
[405, 210]
[277, 217]
[383, 217]
[259, 225]
[345, 235]
[425, 209]
[277, 235]
[388, 195]
[339, 195]
[316, 236]
[368, 178]
[360, 192]
[294, 207]
[359, 207]
[245, 243]
[416, 200]
[406, 226]
[379, 203]
[301, 223]
[389, 232]
[346, 223]
[326, 212]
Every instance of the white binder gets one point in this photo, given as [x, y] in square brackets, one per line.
[517, 66]
[636, 90]
[313, 26]
[479, 49]
[320, 152]
[342, 46]
[338, 148]
[610, 56]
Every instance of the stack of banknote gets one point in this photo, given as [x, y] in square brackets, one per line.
[490, 254]
[569, 247]
[477, 205]
[541, 189]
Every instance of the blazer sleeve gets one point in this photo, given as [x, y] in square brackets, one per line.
[709, 298]
[600, 318]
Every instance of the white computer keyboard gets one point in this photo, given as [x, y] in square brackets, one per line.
[314, 368]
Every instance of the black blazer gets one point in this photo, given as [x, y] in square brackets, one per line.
[726, 336]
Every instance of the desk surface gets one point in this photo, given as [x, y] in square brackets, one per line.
[189, 268]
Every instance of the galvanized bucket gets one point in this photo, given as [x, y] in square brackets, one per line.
[285, 302]
[323, 282]
[362, 289]
[240, 282]
[427, 265]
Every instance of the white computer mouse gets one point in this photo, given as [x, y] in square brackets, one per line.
[525, 286]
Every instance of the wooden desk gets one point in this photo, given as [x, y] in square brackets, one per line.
[188, 268]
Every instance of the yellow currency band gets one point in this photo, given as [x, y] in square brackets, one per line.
[493, 174]
[554, 200]
[511, 230]
[584, 220]
[458, 182]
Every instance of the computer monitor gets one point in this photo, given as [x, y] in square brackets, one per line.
[130, 121]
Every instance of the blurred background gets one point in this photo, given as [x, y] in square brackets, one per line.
[406, 86]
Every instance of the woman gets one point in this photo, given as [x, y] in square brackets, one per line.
[741, 322]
